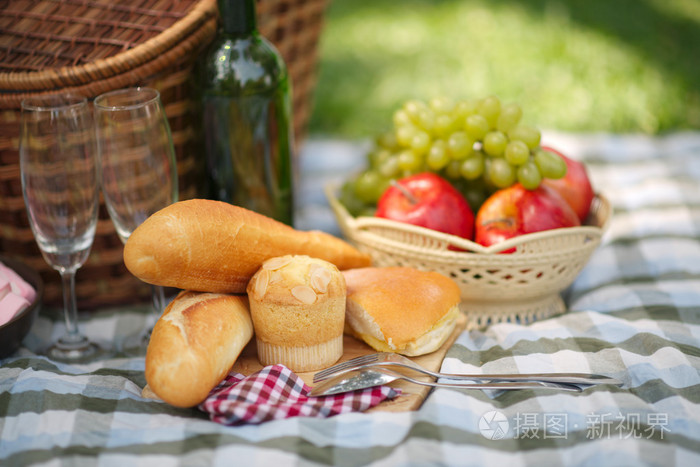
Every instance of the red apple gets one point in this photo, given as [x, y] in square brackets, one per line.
[430, 201]
[516, 211]
[575, 187]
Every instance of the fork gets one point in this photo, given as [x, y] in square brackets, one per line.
[371, 376]
[392, 359]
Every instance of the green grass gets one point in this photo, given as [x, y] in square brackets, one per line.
[573, 65]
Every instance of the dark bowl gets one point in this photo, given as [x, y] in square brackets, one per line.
[14, 331]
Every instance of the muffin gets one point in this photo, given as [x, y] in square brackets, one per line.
[297, 304]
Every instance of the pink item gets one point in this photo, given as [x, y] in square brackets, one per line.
[19, 285]
[11, 305]
[5, 287]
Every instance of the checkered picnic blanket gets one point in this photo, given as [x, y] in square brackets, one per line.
[634, 313]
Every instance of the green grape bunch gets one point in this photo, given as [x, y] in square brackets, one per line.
[479, 145]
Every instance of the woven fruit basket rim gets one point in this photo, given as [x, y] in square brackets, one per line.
[600, 209]
[520, 286]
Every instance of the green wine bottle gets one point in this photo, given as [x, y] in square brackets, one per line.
[245, 99]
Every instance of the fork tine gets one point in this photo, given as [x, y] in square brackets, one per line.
[361, 360]
[357, 361]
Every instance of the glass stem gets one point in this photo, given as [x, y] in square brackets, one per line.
[70, 307]
[158, 300]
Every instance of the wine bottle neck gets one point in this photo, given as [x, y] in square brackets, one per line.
[237, 16]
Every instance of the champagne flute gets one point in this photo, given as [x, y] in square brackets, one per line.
[138, 171]
[60, 188]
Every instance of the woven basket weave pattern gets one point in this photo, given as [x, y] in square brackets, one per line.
[92, 47]
[518, 287]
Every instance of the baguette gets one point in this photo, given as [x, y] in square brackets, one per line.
[212, 246]
[194, 345]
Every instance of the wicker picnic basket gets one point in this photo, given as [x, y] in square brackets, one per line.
[521, 286]
[94, 46]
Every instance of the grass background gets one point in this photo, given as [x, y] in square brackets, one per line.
[573, 65]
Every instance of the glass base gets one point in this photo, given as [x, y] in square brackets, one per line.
[136, 345]
[78, 351]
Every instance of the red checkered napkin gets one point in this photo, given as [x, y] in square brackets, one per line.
[275, 392]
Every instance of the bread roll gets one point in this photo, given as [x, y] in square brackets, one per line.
[401, 309]
[212, 246]
[194, 345]
[297, 304]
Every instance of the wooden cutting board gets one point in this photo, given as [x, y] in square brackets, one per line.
[412, 395]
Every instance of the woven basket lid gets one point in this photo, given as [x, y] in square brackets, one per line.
[53, 44]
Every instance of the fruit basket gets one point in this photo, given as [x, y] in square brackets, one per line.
[521, 286]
